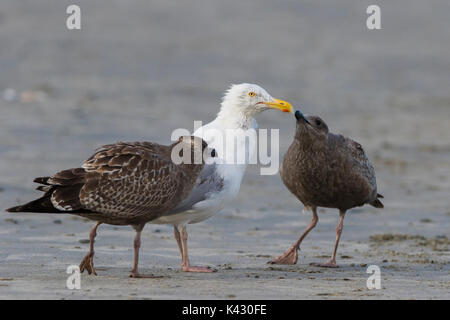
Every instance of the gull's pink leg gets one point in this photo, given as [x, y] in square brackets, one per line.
[332, 262]
[181, 237]
[291, 255]
[137, 245]
[88, 261]
[176, 233]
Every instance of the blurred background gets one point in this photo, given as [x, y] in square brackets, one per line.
[137, 70]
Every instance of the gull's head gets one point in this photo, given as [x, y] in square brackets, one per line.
[250, 99]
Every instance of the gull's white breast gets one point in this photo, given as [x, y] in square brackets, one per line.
[218, 184]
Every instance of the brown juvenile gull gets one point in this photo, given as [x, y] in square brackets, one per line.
[126, 183]
[323, 169]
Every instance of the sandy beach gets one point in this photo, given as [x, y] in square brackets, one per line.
[138, 70]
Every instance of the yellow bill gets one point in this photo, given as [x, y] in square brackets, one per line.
[280, 105]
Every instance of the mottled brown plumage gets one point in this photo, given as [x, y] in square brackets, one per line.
[126, 183]
[323, 169]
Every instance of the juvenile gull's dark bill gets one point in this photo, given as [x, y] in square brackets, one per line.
[323, 169]
[126, 183]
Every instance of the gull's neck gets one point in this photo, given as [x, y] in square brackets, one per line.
[231, 116]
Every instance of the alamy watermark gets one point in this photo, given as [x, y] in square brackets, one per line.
[373, 21]
[374, 281]
[74, 279]
[73, 21]
[233, 147]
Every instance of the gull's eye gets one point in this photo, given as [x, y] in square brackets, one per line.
[251, 94]
[318, 122]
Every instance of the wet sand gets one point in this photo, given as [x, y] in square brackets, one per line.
[137, 71]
